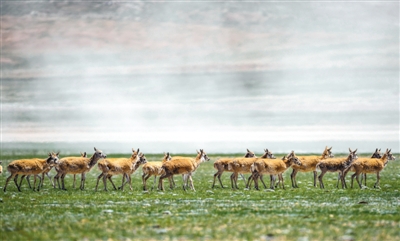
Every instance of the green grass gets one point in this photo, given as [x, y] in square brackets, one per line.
[306, 213]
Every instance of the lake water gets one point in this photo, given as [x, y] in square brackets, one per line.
[220, 112]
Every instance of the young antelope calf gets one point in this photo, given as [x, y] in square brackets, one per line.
[77, 165]
[273, 167]
[182, 165]
[336, 165]
[125, 166]
[222, 166]
[30, 167]
[309, 164]
[154, 169]
[370, 165]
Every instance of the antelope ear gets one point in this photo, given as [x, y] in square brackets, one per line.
[350, 150]
[49, 154]
[197, 152]
[355, 151]
[137, 150]
[248, 150]
[167, 153]
[376, 150]
[390, 150]
[330, 148]
[58, 153]
[84, 153]
[95, 149]
[379, 149]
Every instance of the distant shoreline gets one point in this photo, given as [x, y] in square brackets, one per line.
[308, 147]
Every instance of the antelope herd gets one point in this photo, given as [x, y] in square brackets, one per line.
[169, 166]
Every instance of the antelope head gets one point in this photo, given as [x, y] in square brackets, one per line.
[135, 153]
[53, 158]
[377, 154]
[390, 156]
[167, 156]
[269, 154]
[203, 155]
[249, 154]
[327, 153]
[99, 154]
[142, 159]
[353, 154]
[293, 159]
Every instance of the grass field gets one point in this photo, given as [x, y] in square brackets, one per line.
[306, 213]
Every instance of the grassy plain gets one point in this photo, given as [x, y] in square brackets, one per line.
[305, 213]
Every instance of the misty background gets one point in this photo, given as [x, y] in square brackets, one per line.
[179, 76]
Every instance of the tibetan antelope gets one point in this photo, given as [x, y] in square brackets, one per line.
[336, 165]
[77, 165]
[376, 154]
[308, 164]
[222, 166]
[46, 172]
[370, 165]
[30, 167]
[125, 166]
[243, 166]
[182, 165]
[273, 167]
[154, 169]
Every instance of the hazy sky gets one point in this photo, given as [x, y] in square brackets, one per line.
[201, 73]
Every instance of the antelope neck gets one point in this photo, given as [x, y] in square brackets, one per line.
[92, 161]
